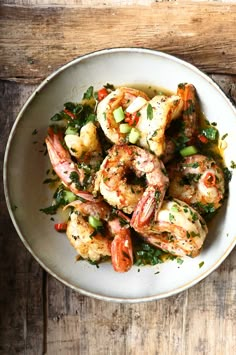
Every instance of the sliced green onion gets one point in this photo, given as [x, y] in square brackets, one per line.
[134, 135]
[190, 150]
[125, 128]
[69, 196]
[94, 222]
[71, 130]
[119, 114]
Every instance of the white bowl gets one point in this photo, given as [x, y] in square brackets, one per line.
[25, 168]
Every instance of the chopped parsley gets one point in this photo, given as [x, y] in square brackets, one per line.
[171, 218]
[201, 264]
[35, 131]
[210, 133]
[75, 179]
[145, 254]
[109, 87]
[224, 136]
[50, 180]
[89, 93]
[61, 198]
[233, 165]
[179, 261]
[149, 112]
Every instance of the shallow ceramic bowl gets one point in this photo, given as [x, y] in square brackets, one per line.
[25, 169]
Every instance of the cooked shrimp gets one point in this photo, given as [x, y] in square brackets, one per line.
[62, 163]
[121, 97]
[198, 181]
[152, 125]
[113, 240]
[118, 192]
[178, 229]
[75, 176]
[189, 122]
[190, 110]
[84, 144]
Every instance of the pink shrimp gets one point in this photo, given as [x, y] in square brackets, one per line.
[67, 170]
[190, 117]
[143, 199]
[113, 240]
[190, 121]
[178, 229]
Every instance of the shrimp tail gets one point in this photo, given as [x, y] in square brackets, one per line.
[148, 207]
[62, 163]
[122, 252]
[121, 246]
[190, 110]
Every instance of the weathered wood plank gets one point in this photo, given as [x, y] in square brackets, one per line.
[21, 303]
[36, 40]
[198, 321]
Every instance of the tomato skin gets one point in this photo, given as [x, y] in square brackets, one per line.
[69, 113]
[60, 227]
[102, 93]
[132, 118]
[202, 138]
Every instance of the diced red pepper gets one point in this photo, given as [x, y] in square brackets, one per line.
[210, 179]
[132, 118]
[60, 227]
[102, 93]
[69, 113]
[203, 138]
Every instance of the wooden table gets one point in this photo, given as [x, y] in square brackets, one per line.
[38, 314]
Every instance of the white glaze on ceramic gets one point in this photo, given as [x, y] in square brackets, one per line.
[25, 169]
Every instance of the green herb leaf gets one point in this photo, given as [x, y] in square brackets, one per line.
[50, 210]
[89, 93]
[57, 117]
[149, 112]
[211, 133]
[109, 87]
[201, 264]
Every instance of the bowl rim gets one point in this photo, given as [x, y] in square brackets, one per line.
[5, 173]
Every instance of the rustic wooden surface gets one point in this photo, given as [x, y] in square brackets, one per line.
[37, 313]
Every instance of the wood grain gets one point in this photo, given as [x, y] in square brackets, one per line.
[201, 320]
[35, 40]
[21, 298]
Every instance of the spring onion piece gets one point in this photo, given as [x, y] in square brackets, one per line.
[125, 128]
[69, 196]
[94, 222]
[134, 135]
[71, 130]
[190, 150]
[119, 114]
